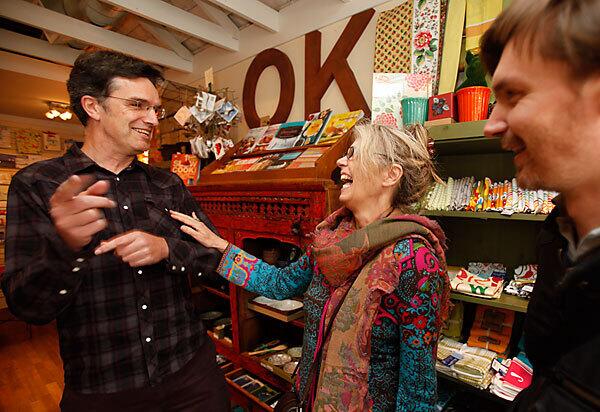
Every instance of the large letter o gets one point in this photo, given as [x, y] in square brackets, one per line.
[266, 58]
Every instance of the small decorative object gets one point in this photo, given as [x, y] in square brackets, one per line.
[442, 106]
[29, 142]
[473, 95]
[51, 141]
[6, 137]
[414, 110]
[186, 166]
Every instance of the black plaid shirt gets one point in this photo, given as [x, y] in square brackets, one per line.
[119, 327]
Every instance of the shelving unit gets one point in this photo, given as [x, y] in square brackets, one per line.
[484, 215]
[505, 301]
[461, 151]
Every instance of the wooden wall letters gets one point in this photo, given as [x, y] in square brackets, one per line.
[266, 58]
[317, 78]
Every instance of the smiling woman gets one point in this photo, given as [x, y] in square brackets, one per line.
[391, 264]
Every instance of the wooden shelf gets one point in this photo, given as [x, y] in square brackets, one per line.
[505, 301]
[473, 389]
[211, 290]
[276, 314]
[485, 215]
[288, 150]
[457, 131]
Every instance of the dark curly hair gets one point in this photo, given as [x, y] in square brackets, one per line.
[93, 74]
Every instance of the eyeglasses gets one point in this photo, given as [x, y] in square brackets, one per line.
[143, 106]
[350, 153]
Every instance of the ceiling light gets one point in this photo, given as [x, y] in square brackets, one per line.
[57, 109]
[66, 115]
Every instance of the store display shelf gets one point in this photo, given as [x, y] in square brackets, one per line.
[269, 152]
[464, 130]
[211, 290]
[485, 215]
[505, 301]
[299, 322]
[472, 389]
[276, 314]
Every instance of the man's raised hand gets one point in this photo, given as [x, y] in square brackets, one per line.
[76, 210]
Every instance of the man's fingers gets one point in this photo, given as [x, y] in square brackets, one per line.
[97, 189]
[71, 187]
[80, 219]
[93, 227]
[114, 242]
[134, 256]
[83, 202]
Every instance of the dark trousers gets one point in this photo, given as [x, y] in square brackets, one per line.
[197, 387]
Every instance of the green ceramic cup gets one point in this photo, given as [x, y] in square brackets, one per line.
[414, 110]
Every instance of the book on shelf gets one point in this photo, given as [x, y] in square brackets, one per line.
[338, 125]
[314, 127]
[266, 138]
[308, 158]
[287, 135]
[283, 160]
[250, 140]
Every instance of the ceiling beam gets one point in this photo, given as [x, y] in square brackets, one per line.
[220, 18]
[33, 67]
[167, 39]
[27, 13]
[30, 46]
[168, 15]
[253, 10]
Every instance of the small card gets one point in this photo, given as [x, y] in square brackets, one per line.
[182, 115]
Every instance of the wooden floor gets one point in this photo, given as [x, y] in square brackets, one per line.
[31, 374]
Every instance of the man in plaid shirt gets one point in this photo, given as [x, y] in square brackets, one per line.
[129, 335]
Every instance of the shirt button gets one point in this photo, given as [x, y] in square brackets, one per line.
[173, 267]
[199, 274]
[148, 339]
[62, 292]
[183, 268]
[76, 269]
[80, 260]
[144, 307]
[140, 272]
[117, 179]
[125, 207]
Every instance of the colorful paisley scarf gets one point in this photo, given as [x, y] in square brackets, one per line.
[362, 258]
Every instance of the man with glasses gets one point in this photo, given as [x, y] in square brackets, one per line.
[129, 336]
[545, 59]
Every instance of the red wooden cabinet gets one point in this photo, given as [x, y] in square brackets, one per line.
[275, 205]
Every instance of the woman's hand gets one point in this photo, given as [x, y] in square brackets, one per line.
[198, 230]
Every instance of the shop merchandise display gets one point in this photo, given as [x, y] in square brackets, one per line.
[468, 364]
[492, 329]
[523, 282]
[475, 285]
[511, 377]
[469, 194]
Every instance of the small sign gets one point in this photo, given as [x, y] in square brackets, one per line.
[209, 78]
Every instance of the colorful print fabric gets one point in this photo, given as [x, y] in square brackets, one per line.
[403, 337]
[426, 37]
[393, 40]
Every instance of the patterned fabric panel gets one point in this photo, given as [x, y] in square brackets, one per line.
[253, 274]
[405, 335]
[392, 40]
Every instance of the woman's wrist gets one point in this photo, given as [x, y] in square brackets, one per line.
[221, 245]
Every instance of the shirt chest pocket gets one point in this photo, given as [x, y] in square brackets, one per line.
[153, 216]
